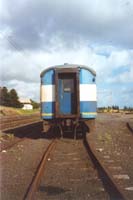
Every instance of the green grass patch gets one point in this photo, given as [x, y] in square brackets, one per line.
[27, 112]
[9, 111]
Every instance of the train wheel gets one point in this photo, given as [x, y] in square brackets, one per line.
[46, 126]
[78, 131]
[57, 130]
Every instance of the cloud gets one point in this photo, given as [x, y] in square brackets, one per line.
[15, 66]
[24, 89]
[42, 33]
[124, 77]
[40, 24]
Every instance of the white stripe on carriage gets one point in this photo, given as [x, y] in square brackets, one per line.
[47, 93]
[88, 92]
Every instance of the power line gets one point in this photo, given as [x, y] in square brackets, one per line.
[14, 45]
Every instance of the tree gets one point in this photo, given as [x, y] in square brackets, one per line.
[125, 108]
[34, 104]
[14, 102]
[9, 98]
[4, 97]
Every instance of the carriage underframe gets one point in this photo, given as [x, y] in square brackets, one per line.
[66, 126]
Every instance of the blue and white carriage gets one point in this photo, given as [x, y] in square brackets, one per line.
[68, 97]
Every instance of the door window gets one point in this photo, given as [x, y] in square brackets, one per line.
[68, 85]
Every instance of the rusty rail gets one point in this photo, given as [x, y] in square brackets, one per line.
[37, 177]
[109, 183]
[129, 126]
[11, 145]
[12, 122]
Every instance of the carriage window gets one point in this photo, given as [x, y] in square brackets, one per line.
[68, 85]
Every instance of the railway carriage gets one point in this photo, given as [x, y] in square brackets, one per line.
[68, 98]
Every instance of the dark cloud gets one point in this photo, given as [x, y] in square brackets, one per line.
[42, 33]
[43, 24]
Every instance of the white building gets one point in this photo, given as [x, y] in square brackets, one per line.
[26, 104]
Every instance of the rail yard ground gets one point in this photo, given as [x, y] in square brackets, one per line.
[112, 141]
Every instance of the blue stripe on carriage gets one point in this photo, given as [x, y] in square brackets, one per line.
[86, 77]
[47, 110]
[88, 109]
[48, 78]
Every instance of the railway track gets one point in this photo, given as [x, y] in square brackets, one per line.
[15, 121]
[5, 148]
[72, 171]
[130, 126]
[114, 190]
[19, 134]
[38, 174]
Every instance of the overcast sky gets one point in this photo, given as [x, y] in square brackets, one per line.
[35, 34]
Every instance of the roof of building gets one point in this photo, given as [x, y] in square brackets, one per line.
[25, 100]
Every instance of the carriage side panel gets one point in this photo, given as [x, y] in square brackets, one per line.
[48, 95]
[88, 99]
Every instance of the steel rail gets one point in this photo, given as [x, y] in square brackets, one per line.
[5, 118]
[130, 127]
[19, 140]
[17, 119]
[11, 145]
[40, 169]
[114, 190]
[15, 123]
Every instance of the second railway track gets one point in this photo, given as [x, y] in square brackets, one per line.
[71, 172]
[17, 134]
[15, 121]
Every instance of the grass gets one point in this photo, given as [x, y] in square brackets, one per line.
[4, 111]
[26, 112]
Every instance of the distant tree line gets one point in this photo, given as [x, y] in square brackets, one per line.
[108, 108]
[115, 107]
[126, 108]
[10, 98]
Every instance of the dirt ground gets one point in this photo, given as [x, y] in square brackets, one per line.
[113, 143]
